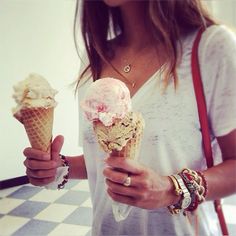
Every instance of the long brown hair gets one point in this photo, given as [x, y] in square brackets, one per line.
[167, 20]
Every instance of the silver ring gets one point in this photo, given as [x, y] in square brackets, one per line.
[127, 181]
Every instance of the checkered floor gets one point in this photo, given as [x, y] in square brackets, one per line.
[29, 210]
[32, 211]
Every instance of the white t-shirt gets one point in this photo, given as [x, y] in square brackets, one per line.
[172, 137]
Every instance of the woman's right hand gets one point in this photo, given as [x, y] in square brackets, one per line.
[41, 166]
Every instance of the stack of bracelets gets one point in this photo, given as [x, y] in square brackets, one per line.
[192, 187]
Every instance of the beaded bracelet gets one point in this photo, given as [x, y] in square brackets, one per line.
[65, 163]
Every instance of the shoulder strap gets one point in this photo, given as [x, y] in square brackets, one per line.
[202, 113]
[201, 103]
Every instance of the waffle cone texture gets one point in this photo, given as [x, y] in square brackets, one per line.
[123, 137]
[38, 123]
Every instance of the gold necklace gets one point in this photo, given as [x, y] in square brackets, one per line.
[128, 66]
[127, 69]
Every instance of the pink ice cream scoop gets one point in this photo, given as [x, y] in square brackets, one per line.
[106, 100]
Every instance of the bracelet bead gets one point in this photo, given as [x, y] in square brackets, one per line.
[65, 163]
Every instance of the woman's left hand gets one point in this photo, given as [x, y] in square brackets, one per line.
[147, 189]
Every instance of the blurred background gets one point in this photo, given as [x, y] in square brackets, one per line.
[37, 36]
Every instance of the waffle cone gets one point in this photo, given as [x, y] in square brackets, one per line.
[123, 137]
[131, 149]
[38, 124]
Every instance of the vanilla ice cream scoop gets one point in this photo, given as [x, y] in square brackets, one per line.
[106, 100]
[33, 92]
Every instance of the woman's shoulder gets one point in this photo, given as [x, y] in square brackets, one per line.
[217, 45]
[218, 37]
[214, 37]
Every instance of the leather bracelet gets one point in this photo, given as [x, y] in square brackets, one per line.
[65, 163]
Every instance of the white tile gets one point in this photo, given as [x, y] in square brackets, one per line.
[230, 212]
[56, 212]
[9, 224]
[47, 195]
[68, 229]
[87, 203]
[81, 186]
[8, 191]
[8, 204]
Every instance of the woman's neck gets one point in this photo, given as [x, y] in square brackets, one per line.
[136, 35]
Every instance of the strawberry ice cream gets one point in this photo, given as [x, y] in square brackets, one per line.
[106, 100]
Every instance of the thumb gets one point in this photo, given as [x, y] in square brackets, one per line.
[56, 147]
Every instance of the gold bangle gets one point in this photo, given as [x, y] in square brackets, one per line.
[178, 190]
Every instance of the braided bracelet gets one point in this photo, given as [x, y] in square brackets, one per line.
[197, 182]
[65, 163]
[204, 183]
[197, 185]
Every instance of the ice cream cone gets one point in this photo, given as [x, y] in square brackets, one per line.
[122, 138]
[107, 104]
[38, 123]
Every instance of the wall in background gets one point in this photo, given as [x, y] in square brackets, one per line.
[224, 10]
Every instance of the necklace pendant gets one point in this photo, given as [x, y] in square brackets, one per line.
[133, 85]
[127, 68]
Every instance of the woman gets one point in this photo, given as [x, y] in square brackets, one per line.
[149, 48]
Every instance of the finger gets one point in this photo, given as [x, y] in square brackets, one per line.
[41, 174]
[115, 175]
[40, 182]
[56, 147]
[40, 165]
[119, 177]
[36, 154]
[122, 199]
[125, 164]
[123, 190]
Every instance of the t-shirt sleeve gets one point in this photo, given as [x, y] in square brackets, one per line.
[217, 58]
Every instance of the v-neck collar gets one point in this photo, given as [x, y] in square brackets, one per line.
[141, 90]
